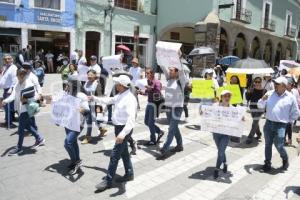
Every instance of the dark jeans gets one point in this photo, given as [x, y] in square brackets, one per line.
[89, 122]
[25, 122]
[150, 121]
[8, 109]
[289, 131]
[109, 109]
[71, 145]
[221, 143]
[119, 151]
[274, 133]
[173, 116]
[255, 125]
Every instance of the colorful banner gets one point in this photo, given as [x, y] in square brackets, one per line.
[236, 97]
[223, 120]
[203, 89]
[242, 78]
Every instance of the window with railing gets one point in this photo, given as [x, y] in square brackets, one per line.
[7, 1]
[291, 32]
[269, 25]
[244, 15]
[48, 4]
[127, 4]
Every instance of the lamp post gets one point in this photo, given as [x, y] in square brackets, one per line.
[110, 9]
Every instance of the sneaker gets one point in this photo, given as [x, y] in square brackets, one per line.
[177, 149]
[216, 173]
[102, 132]
[71, 166]
[160, 135]
[150, 143]
[225, 168]
[15, 151]
[86, 140]
[125, 178]
[76, 167]
[267, 167]
[285, 165]
[104, 185]
[39, 143]
[249, 141]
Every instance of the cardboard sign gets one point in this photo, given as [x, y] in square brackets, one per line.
[168, 54]
[65, 112]
[242, 78]
[236, 97]
[223, 120]
[203, 89]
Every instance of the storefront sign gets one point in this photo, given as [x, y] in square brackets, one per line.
[48, 17]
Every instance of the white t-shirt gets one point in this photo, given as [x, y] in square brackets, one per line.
[74, 56]
[136, 74]
[49, 57]
[82, 69]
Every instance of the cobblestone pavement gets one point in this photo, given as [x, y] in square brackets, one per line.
[42, 174]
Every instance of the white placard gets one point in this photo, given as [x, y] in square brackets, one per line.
[112, 62]
[65, 112]
[168, 54]
[223, 120]
[141, 83]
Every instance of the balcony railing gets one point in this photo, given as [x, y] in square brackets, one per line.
[269, 25]
[291, 32]
[244, 15]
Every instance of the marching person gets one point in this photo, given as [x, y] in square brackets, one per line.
[25, 120]
[94, 66]
[124, 117]
[253, 95]
[49, 57]
[73, 74]
[174, 100]
[74, 57]
[64, 71]
[7, 81]
[289, 128]
[71, 144]
[82, 67]
[136, 73]
[281, 109]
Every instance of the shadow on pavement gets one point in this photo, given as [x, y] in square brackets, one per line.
[258, 168]
[241, 143]
[62, 169]
[193, 127]
[26, 151]
[121, 186]
[7, 151]
[207, 174]
[94, 139]
[294, 189]
[105, 152]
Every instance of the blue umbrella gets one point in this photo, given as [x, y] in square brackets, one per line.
[228, 60]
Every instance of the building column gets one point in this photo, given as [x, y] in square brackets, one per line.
[72, 41]
[24, 37]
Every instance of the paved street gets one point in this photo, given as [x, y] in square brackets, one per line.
[42, 174]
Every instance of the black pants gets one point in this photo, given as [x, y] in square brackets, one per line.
[289, 131]
[255, 125]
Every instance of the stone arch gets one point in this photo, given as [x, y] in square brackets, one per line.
[240, 46]
[268, 51]
[278, 53]
[224, 43]
[255, 48]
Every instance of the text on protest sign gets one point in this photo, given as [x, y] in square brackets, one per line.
[236, 97]
[65, 112]
[223, 120]
[168, 54]
[112, 62]
[203, 89]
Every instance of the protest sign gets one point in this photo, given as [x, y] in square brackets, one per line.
[203, 89]
[112, 62]
[236, 97]
[65, 112]
[223, 120]
[168, 54]
[242, 78]
[141, 84]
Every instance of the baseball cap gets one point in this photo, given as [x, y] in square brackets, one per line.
[123, 80]
[26, 65]
[225, 92]
[93, 57]
[281, 80]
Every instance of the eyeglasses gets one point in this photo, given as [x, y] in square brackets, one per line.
[257, 81]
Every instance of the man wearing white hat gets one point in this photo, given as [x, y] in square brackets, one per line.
[123, 119]
[281, 109]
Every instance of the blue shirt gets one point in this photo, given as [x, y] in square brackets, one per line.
[282, 108]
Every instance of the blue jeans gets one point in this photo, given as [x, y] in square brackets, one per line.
[173, 116]
[89, 122]
[274, 133]
[25, 122]
[119, 151]
[221, 143]
[8, 108]
[150, 121]
[71, 145]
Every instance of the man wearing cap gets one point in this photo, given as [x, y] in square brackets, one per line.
[281, 109]
[7, 81]
[136, 73]
[124, 121]
[94, 65]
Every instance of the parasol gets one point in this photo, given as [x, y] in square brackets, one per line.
[250, 66]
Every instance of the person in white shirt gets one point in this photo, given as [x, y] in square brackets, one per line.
[136, 73]
[268, 83]
[124, 117]
[49, 57]
[82, 68]
[7, 81]
[74, 57]
[25, 121]
[281, 109]
[94, 66]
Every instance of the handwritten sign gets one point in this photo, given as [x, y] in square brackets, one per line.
[111, 63]
[242, 78]
[168, 54]
[203, 89]
[65, 112]
[236, 97]
[223, 120]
